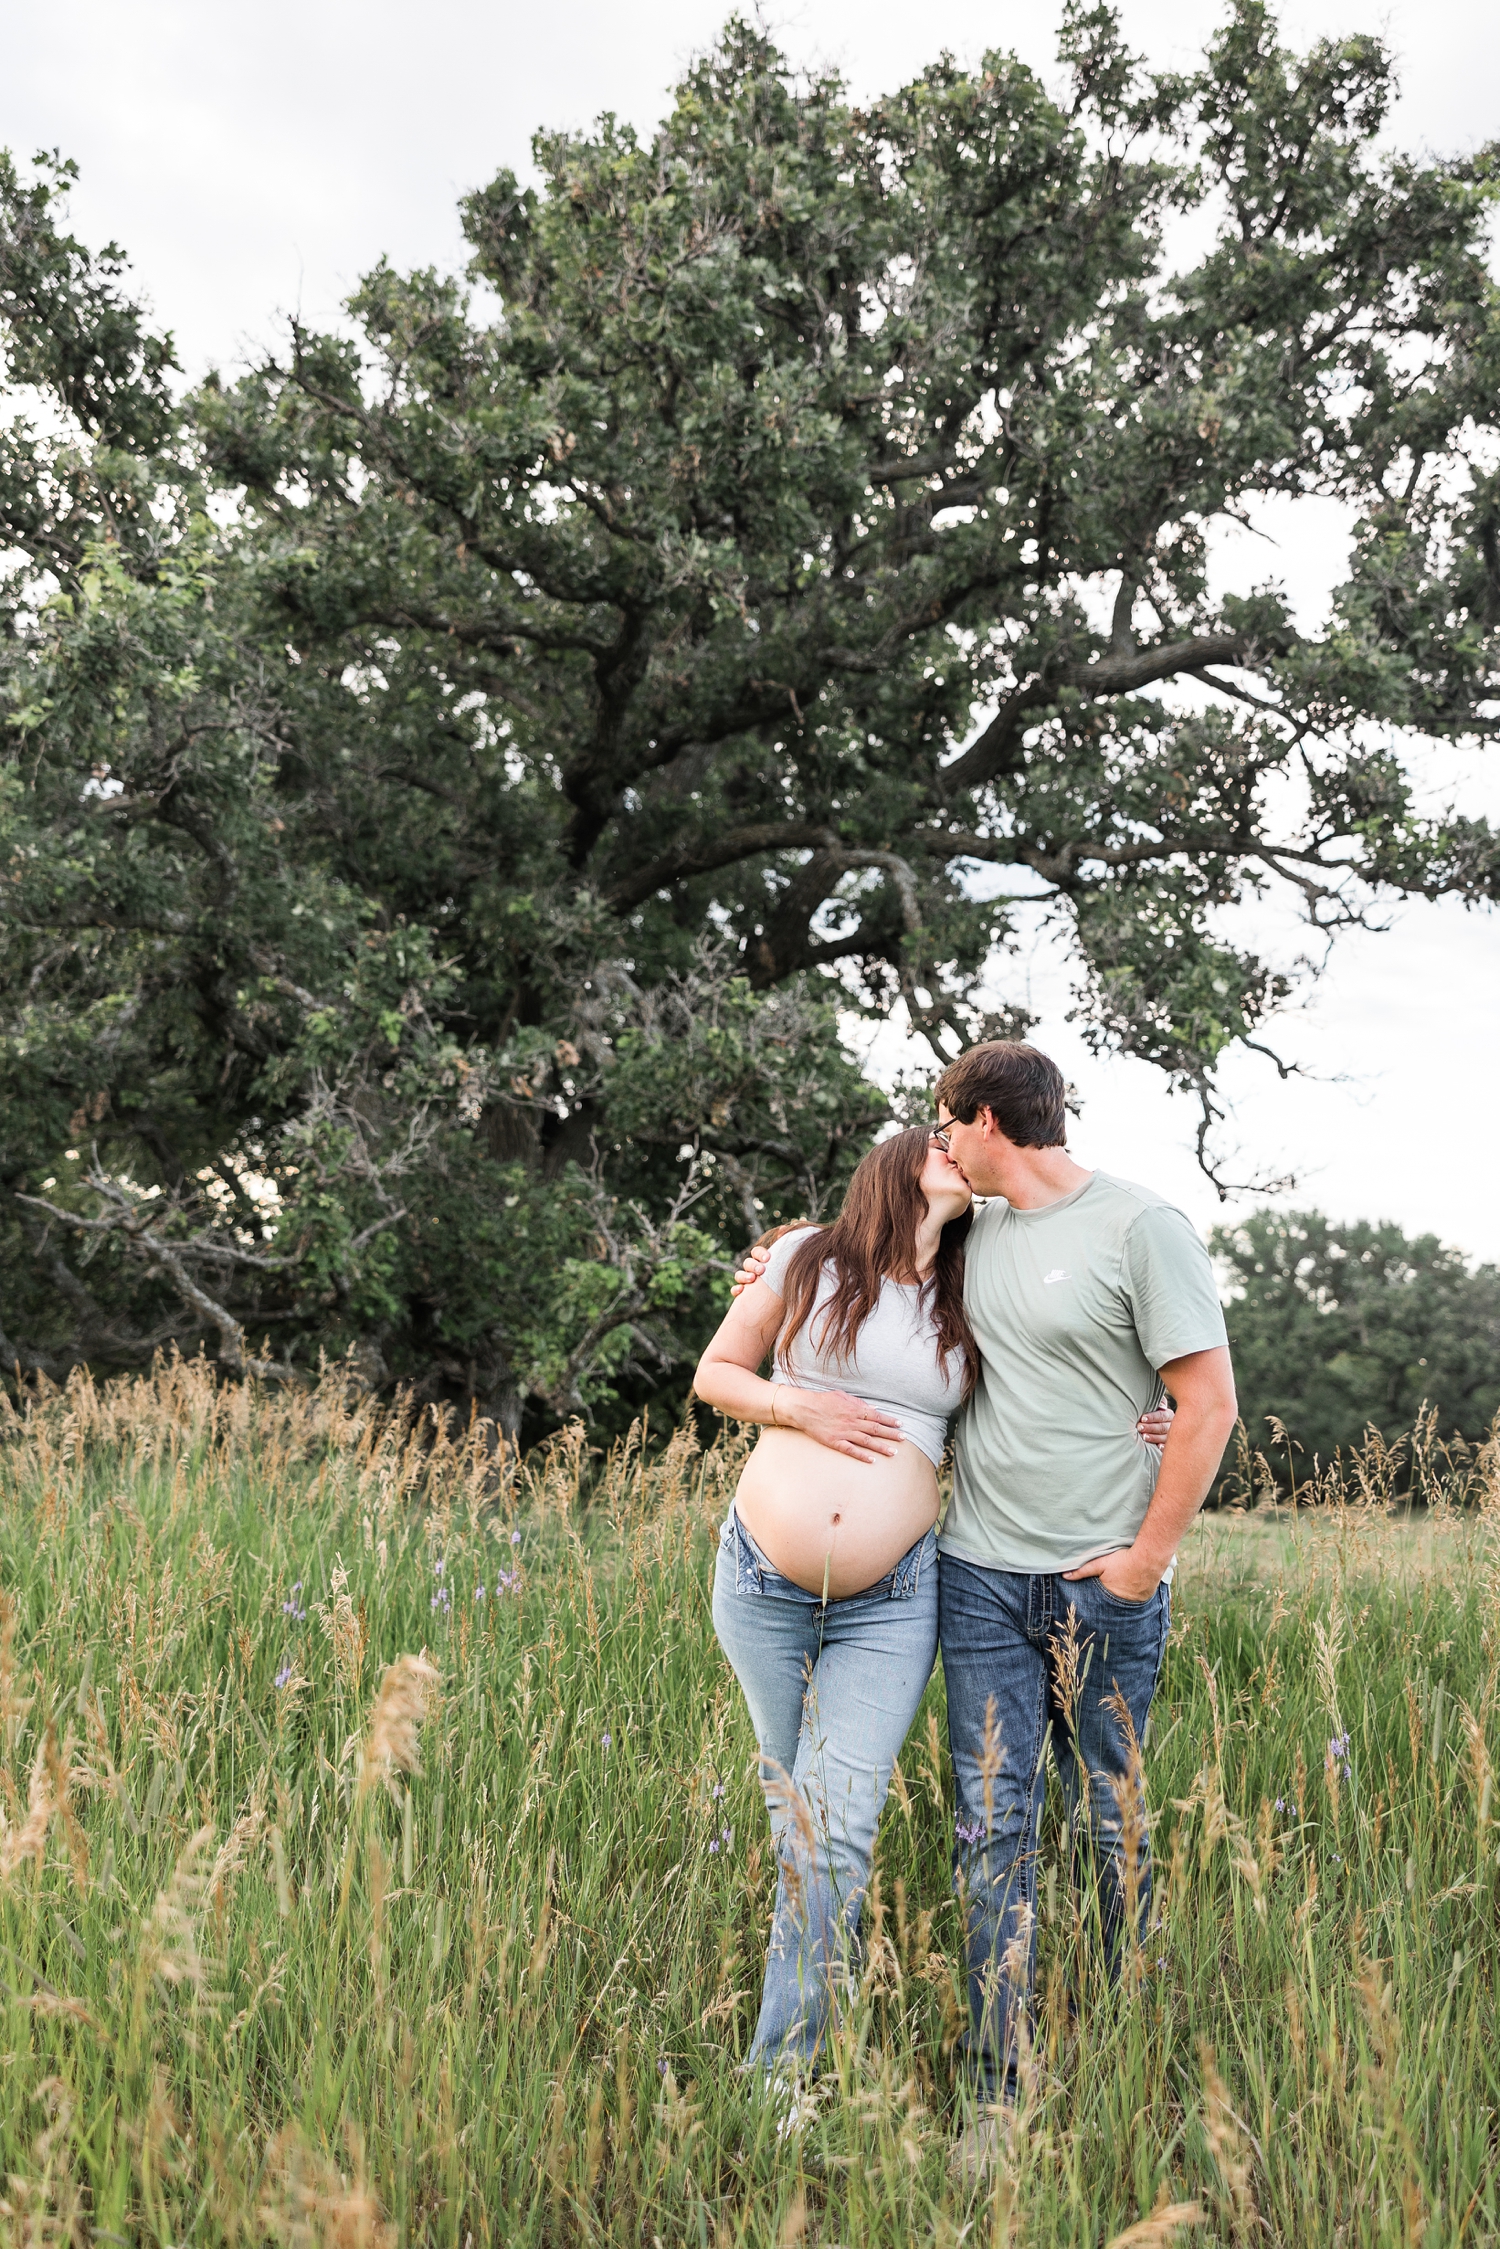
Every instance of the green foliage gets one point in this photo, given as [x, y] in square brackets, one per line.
[245, 1999]
[1336, 1329]
[514, 737]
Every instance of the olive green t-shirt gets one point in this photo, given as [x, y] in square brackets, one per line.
[1075, 1307]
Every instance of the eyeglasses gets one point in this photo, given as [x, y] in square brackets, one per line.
[939, 1137]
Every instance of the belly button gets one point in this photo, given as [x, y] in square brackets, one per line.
[838, 1518]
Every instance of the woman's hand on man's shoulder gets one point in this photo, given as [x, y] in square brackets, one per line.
[748, 1273]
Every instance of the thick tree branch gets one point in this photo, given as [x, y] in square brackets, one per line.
[992, 753]
[708, 852]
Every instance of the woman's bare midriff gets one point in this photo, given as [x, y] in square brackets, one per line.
[809, 1508]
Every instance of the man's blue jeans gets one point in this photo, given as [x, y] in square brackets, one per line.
[832, 1693]
[1013, 1665]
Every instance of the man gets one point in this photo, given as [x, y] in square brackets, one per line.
[1087, 1295]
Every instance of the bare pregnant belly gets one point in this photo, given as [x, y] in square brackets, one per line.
[809, 1508]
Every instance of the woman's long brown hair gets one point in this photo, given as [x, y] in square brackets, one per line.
[874, 1238]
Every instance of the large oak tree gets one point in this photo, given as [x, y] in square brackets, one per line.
[456, 774]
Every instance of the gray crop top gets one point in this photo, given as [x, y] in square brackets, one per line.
[895, 1364]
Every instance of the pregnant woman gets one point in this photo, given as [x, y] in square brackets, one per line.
[825, 1591]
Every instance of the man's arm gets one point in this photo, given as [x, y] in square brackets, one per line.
[1203, 1385]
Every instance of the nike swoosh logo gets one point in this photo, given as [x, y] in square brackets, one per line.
[1057, 1274]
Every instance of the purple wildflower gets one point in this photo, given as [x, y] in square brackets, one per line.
[515, 1540]
[283, 1676]
[967, 1834]
[479, 1592]
[605, 1739]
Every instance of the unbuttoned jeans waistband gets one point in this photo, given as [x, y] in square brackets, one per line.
[756, 1573]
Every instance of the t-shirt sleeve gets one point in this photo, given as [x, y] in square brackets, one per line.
[774, 1275]
[1168, 1278]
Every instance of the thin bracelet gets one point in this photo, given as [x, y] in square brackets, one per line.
[775, 1418]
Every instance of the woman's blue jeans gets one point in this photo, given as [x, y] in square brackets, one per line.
[832, 1691]
[1025, 1657]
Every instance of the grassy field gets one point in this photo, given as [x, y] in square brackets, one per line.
[258, 1980]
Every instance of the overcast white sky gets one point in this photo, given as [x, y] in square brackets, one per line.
[253, 162]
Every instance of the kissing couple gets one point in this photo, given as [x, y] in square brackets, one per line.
[1052, 1323]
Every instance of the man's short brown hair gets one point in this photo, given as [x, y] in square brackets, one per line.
[1023, 1089]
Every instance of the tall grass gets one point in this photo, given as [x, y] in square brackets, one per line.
[302, 1940]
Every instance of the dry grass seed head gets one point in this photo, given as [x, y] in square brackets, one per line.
[1163, 2225]
[232, 1852]
[49, 2207]
[991, 1759]
[29, 1840]
[402, 1704]
[1376, 1998]
[794, 2224]
[1484, 1778]
[344, 1628]
[933, 1761]
[1129, 1793]
[1212, 1684]
[795, 1830]
[309, 2204]
[1230, 2145]
[62, 1773]
[1065, 1654]
[1015, 1961]
[1329, 1643]
[171, 1949]
[13, 1706]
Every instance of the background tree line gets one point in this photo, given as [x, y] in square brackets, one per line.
[459, 774]
[1336, 1329]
